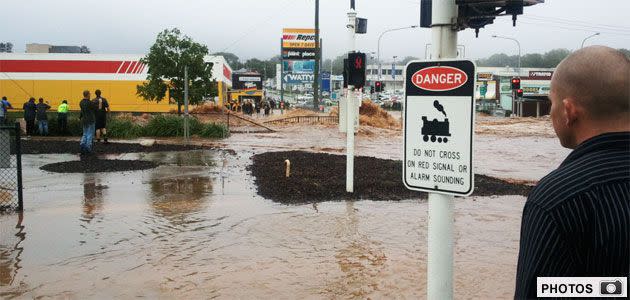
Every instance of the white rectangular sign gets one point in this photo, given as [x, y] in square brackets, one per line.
[439, 127]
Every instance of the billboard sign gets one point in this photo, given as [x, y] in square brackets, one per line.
[298, 53]
[325, 81]
[246, 81]
[298, 38]
[298, 78]
[299, 66]
[540, 75]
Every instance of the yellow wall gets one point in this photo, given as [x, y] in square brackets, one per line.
[121, 95]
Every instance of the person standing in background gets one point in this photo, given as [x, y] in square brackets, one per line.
[101, 116]
[30, 110]
[42, 117]
[88, 119]
[5, 106]
[62, 117]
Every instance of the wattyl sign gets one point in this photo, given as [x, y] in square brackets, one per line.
[439, 78]
[294, 78]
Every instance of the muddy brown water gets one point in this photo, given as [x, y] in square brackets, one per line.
[195, 228]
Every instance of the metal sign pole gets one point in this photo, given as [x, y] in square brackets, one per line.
[440, 236]
[186, 125]
[352, 14]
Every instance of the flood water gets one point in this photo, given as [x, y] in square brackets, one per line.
[195, 228]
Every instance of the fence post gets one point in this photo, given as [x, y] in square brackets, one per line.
[18, 157]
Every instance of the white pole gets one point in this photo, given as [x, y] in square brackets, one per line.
[186, 129]
[440, 237]
[350, 109]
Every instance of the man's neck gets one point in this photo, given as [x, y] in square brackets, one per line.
[592, 129]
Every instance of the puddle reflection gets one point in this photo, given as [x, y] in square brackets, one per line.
[92, 197]
[11, 249]
[201, 158]
[176, 196]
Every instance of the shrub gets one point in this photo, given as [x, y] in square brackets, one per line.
[213, 130]
[165, 125]
[124, 128]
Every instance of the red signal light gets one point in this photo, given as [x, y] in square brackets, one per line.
[516, 83]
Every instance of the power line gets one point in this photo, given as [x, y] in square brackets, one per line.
[267, 20]
[577, 24]
[578, 21]
[575, 29]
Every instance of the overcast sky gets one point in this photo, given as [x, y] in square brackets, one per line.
[252, 28]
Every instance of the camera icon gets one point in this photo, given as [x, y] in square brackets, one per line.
[610, 287]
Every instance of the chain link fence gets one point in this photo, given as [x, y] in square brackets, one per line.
[10, 169]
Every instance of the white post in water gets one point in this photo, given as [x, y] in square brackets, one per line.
[350, 109]
[186, 125]
[440, 256]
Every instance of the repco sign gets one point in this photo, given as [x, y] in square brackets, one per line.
[299, 37]
[439, 78]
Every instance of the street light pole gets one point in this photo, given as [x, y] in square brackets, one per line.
[519, 68]
[317, 58]
[588, 37]
[378, 50]
[519, 49]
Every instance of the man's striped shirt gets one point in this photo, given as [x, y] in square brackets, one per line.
[576, 221]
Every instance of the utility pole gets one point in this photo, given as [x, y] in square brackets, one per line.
[186, 125]
[281, 104]
[350, 105]
[440, 236]
[317, 55]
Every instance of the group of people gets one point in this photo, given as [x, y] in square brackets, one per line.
[93, 120]
[36, 112]
[249, 107]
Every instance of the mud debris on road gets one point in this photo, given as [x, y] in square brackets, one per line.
[317, 177]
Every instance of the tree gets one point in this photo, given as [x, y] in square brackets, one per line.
[6, 47]
[85, 49]
[499, 60]
[166, 60]
[554, 57]
[533, 60]
[267, 68]
[625, 52]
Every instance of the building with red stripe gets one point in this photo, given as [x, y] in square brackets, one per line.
[57, 77]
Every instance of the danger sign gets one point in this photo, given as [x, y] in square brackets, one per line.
[439, 117]
[439, 78]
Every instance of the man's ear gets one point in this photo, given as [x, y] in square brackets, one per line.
[571, 110]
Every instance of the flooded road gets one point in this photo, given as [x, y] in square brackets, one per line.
[195, 228]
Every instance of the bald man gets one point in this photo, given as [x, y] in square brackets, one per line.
[576, 221]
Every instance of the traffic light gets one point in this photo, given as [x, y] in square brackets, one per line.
[519, 93]
[516, 83]
[378, 86]
[356, 69]
[372, 90]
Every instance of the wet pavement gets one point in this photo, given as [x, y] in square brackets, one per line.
[195, 228]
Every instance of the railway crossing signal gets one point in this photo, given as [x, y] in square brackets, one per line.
[439, 118]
